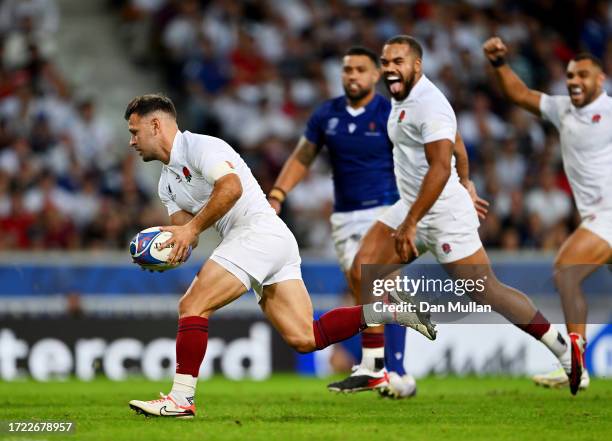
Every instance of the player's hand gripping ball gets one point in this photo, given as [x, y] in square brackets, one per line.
[146, 251]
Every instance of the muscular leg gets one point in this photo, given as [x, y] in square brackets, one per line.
[212, 288]
[507, 301]
[581, 254]
[510, 303]
[377, 246]
[288, 307]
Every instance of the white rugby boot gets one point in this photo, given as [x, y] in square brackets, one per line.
[164, 406]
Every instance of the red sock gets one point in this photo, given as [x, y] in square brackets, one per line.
[191, 341]
[537, 327]
[337, 325]
[372, 341]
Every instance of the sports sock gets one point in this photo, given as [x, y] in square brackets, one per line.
[191, 342]
[542, 330]
[373, 351]
[183, 389]
[582, 343]
[337, 325]
[395, 343]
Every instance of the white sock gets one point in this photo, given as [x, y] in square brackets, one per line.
[183, 389]
[554, 341]
[373, 358]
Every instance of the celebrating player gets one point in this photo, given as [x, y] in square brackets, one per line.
[583, 120]
[435, 211]
[353, 127]
[205, 183]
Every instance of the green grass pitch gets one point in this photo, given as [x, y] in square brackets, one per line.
[288, 407]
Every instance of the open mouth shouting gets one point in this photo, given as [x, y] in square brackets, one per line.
[394, 83]
[576, 93]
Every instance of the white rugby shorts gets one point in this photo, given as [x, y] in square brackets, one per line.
[348, 228]
[450, 236]
[263, 252]
[600, 223]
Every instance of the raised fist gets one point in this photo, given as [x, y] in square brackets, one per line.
[494, 48]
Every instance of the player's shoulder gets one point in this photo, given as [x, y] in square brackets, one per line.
[197, 142]
[429, 98]
[331, 105]
[431, 91]
[559, 101]
[607, 99]
[381, 102]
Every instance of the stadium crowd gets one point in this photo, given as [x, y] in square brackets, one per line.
[64, 181]
[251, 72]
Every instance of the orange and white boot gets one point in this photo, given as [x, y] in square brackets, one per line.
[577, 346]
[164, 406]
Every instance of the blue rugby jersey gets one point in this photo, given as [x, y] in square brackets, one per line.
[359, 149]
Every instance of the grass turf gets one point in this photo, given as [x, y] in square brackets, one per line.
[289, 407]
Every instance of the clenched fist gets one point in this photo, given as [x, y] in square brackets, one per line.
[494, 48]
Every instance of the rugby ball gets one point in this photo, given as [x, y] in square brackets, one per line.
[146, 251]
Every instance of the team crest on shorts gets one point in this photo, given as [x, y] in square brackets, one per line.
[187, 174]
[402, 115]
[446, 248]
[596, 118]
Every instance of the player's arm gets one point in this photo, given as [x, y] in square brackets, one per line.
[462, 164]
[294, 170]
[513, 87]
[226, 192]
[181, 217]
[438, 154]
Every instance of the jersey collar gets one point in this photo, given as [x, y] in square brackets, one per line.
[356, 112]
[418, 88]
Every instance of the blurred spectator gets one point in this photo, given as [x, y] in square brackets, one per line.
[549, 203]
[480, 124]
[59, 169]
[92, 138]
[251, 72]
[510, 165]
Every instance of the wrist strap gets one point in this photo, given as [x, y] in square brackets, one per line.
[278, 194]
[498, 62]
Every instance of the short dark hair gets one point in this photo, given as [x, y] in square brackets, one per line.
[414, 45]
[587, 56]
[144, 104]
[361, 50]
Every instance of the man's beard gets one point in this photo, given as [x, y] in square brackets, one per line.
[354, 97]
[589, 97]
[408, 85]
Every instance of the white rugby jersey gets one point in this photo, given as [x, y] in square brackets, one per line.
[424, 116]
[186, 183]
[586, 148]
